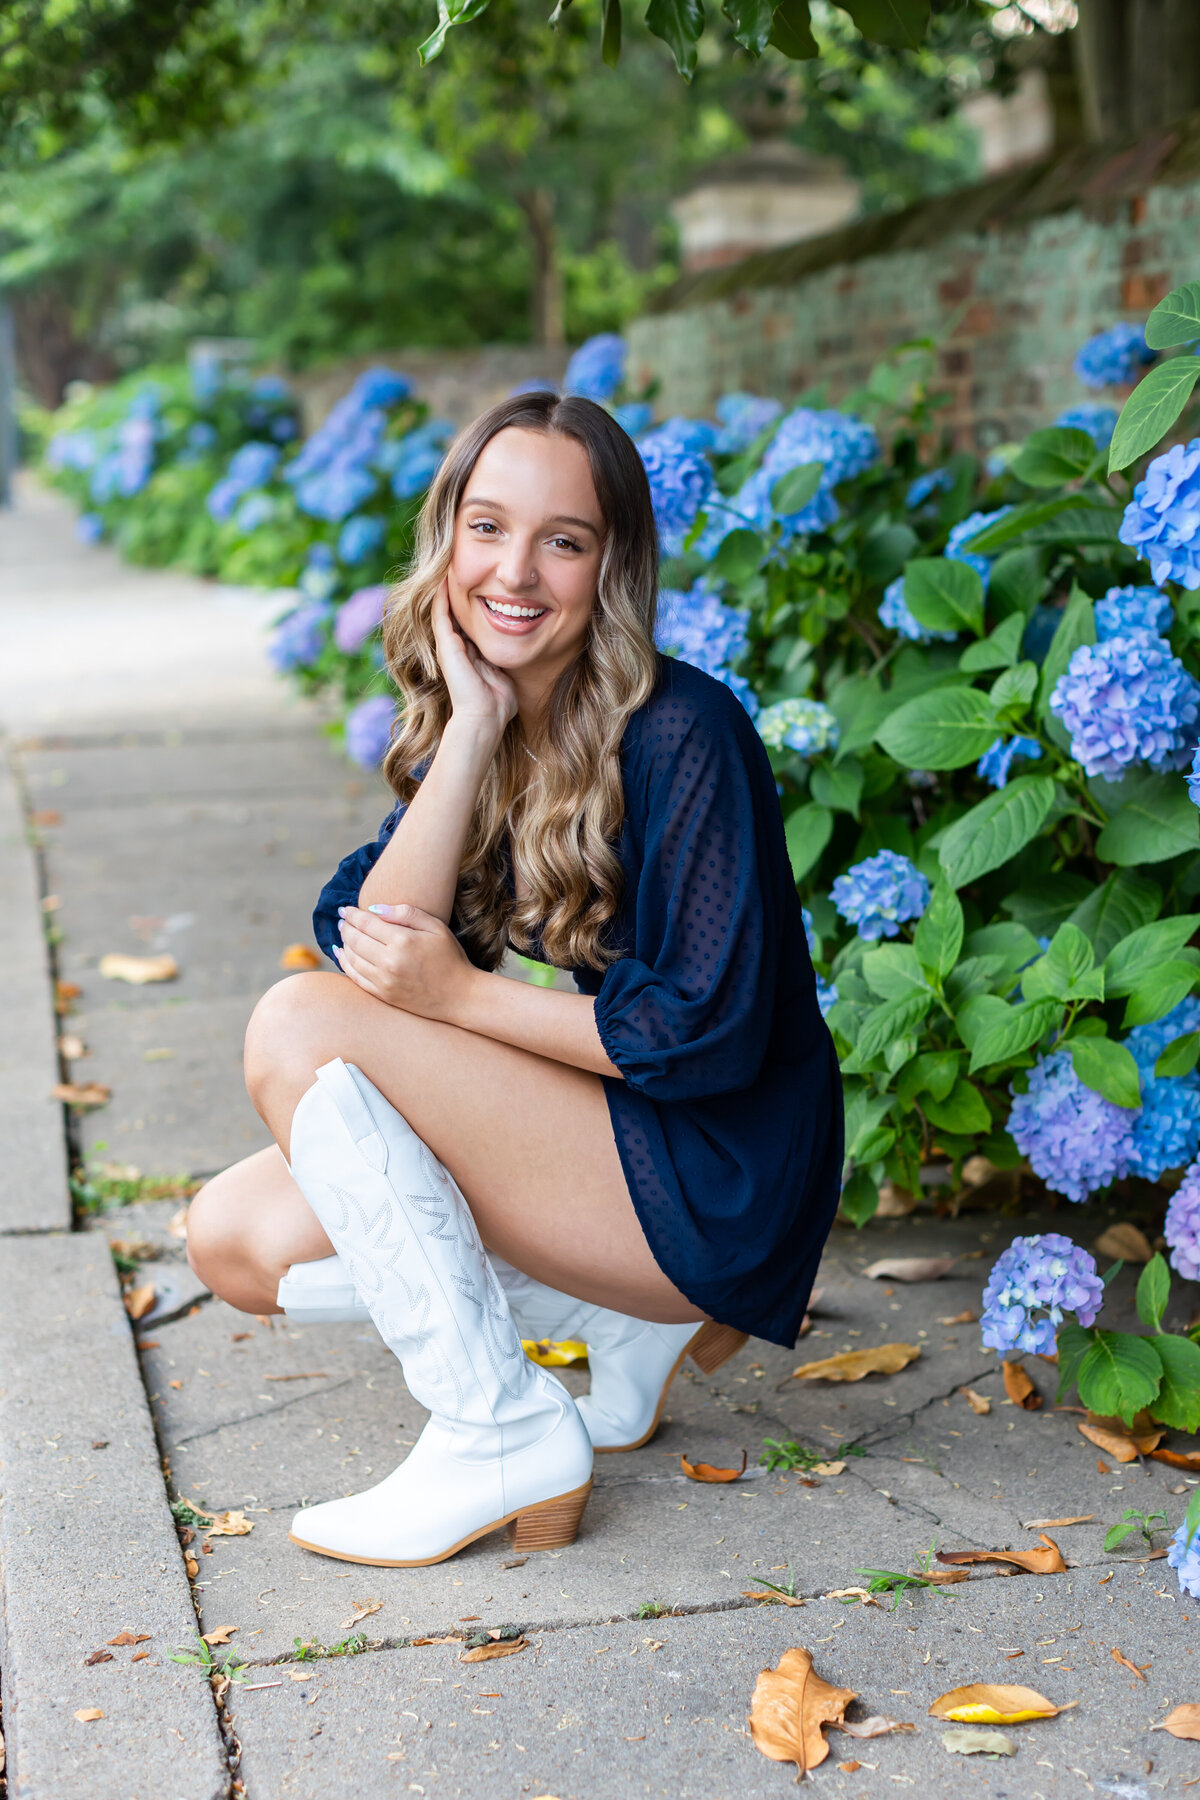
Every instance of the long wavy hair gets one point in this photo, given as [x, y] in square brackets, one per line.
[558, 818]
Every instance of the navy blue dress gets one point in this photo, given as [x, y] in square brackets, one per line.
[728, 1121]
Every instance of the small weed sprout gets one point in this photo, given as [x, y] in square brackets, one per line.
[652, 1609]
[788, 1457]
[1132, 1520]
[230, 1665]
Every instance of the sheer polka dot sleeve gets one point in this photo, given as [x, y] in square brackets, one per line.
[342, 888]
[690, 1015]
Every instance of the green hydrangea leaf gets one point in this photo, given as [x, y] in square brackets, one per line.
[1107, 1069]
[1178, 1402]
[1176, 318]
[995, 829]
[943, 729]
[1120, 1374]
[1151, 410]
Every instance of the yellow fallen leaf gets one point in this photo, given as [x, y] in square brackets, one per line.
[229, 1524]
[221, 1635]
[138, 969]
[706, 1472]
[789, 1707]
[1184, 1722]
[504, 1647]
[982, 1703]
[139, 1300]
[976, 1402]
[829, 1468]
[852, 1365]
[86, 1714]
[554, 1355]
[299, 956]
[1121, 1446]
[1045, 1561]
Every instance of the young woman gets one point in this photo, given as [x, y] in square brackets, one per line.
[653, 1162]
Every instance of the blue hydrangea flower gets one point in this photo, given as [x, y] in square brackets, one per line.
[1166, 1132]
[597, 368]
[995, 763]
[201, 436]
[1125, 609]
[843, 443]
[895, 614]
[270, 387]
[751, 505]
[359, 617]
[249, 467]
[696, 626]
[634, 418]
[743, 418]
[89, 528]
[204, 375]
[1147, 1042]
[1162, 521]
[1074, 1138]
[805, 726]
[369, 730]
[1114, 356]
[810, 936]
[1127, 701]
[1182, 1227]
[827, 996]
[880, 893]
[255, 510]
[380, 387]
[925, 486]
[359, 536]
[283, 428]
[680, 485]
[72, 450]
[1032, 1285]
[967, 529]
[690, 434]
[1193, 778]
[1097, 420]
[298, 637]
[1184, 1558]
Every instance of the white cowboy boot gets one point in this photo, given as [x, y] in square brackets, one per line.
[321, 1293]
[505, 1444]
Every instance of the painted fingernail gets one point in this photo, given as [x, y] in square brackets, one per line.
[342, 912]
[379, 909]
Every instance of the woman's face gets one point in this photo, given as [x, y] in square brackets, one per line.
[528, 540]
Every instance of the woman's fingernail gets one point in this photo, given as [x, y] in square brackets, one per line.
[379, 909]
[341, 912]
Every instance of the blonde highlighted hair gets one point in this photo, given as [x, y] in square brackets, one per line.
[559, 818]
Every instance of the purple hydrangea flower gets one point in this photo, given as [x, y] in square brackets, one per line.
[1032, 1285]
[369, 730]
[255, 510]
[1126, 609]
[361, 615]
[925, 486]
[995, 763]
[72, 450]
[1127, 701]
[1113, 356]
[1097, 420]
[805, 726]
[359, 536]
[963, 532]
[1162, 521]
[1193, 778]
[743, 418]
[880, 893]
[1184, 1557]
[634, 418]
[680, 485]
[810, 936]
[298, 637]
[597, 368]
[89, 528]
[1075, 1139]
[1182, 1227]
[698, 628]
[894, 613]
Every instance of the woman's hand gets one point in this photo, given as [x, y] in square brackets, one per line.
[405, 957]
[480, 694]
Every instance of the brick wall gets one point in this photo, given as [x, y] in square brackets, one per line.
[1008, 278]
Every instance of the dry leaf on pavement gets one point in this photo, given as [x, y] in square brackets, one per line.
[485, 1652]
[962, 1318]
[830, 1468]
[221, 1635]
[1126, 1664]
[771, 1596]
[192, 1567]
[982, 1703]
[228, 1524]
[789, 1707]
[1184, 1722]
[876, 1726]
[849, 1768]
[98, 1656]
[941, 1577]
[46, 815]
[1048, 1524]
[706, 1472]
[1178, 1459]
[978, 1743]
[454, 1638]
[853, 1593]
[910, 1268]
[362, 1610]
[1019, 1387]
[138, 969]
[131, 1637]
[1119, 1444]
[300, 956]
[81, 1093]
[1046, 1561]
[87, 1713]
[975, 1401]
[65, 995]
[852, 1365]
[1127, 1241]
[139, 1300]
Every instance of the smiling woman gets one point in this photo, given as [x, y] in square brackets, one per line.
[652, 1162]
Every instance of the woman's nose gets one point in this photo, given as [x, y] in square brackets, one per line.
[517, 564]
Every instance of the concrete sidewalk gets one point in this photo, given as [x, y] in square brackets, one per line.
[208, 836]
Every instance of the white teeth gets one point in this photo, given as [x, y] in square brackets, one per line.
[514, 612]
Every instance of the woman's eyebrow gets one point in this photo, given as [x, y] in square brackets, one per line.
[558, 519]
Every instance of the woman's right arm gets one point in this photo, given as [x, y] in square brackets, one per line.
[420, 864]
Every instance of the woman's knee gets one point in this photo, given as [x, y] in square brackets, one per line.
[289, 1032]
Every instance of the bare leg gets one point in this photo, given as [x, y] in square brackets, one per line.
[528, 1140]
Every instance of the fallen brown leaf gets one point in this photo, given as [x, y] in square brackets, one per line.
[131, 1637]
[221, 1635]
[976, 1402]
[1046, 1524]
[1117, 1444]
[138, 969]
[1127, 1241]
[81, 1093]
[829, 1468]
[454, 1638]
[789, 1707]
[86, 1714]
[1019, 1387]
[1178, 1459]
[65, 994]
[140, 1656]
[852, 1593]
[852, 1365]
[98, 1656]
[299, 956]
[1184, 1722]
[175, 1384]
[516, 1562]
[228, 1524]
[876, 1726]
[705, 1471]
[962, 1318]
[982, 1703]
[770, 1596]
[362, 1610]
[849, 1768]
[139, 1300]
[1102, 1466]
[1046, 1561]
[1126, 1664]
[978, 1743]
[910, 1268]
[485, 1652]
[239, 1337]
[942, 1577]
[45, 815]
[192, 1567]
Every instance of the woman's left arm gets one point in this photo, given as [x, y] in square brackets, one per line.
[410, 959]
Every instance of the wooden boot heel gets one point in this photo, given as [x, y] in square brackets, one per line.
[713, 1345]
[551, 1524]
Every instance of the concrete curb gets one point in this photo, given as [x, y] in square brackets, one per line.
[88, 1549]
[33, 1173]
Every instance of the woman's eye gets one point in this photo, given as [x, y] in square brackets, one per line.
[482, 525]
[566, 543]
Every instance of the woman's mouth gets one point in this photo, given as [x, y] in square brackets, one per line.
[511, 615]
